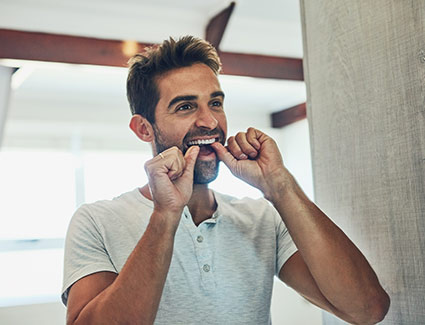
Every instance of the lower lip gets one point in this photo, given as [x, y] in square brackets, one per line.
[206, 155]
[209, 156]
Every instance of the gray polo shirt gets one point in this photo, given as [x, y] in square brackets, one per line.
[221, 271]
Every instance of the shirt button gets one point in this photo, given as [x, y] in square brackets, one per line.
[200, 239]
[206, 268]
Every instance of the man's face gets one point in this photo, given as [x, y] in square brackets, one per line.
[190, 112]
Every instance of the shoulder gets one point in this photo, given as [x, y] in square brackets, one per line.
[130, 208]
[125, 204]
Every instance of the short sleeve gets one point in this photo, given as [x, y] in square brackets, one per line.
[85, 251]
[285, 246]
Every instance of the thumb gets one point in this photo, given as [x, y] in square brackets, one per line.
[190, 159]
[223, 154]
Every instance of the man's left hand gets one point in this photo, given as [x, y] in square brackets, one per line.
[255, 158]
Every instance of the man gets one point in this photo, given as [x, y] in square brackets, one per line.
[174, 251]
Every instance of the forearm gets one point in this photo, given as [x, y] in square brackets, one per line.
[340, 270]
[337, 272]
[134, 296]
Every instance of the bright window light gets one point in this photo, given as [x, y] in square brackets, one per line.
[38, 194]
[32, 276]
[39, 191]
[110, 173]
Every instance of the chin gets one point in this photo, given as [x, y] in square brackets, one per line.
[205, 172]
[204, 180]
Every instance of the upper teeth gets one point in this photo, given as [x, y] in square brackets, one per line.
[198, 142]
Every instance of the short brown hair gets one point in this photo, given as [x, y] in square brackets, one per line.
[144, 69]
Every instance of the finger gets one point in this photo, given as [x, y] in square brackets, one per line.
[246, 147]
[252, 136]
[223, 154]
[234, 148]
[175, 162]
[169, 161]
[175, 172]
[190, 160]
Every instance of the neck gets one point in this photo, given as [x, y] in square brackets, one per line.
[201, 205]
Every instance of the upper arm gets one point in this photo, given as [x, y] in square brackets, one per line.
[85, 290]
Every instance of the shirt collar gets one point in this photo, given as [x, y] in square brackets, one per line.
[216, 215]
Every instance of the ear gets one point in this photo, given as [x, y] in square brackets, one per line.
[142, 128]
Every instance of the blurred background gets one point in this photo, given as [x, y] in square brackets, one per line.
[65, 139]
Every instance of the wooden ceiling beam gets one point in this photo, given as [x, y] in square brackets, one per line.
[217, 25]
[35, 46]
[262, 66]
[22, 45]
[289, 115]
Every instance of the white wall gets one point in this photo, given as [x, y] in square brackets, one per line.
[37, 314]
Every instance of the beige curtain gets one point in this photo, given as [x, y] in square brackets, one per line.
[365, 72]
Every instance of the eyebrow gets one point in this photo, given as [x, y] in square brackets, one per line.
[192, 97]
[217, 94]
[181, 99]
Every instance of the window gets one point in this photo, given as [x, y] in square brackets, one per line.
[40, 190]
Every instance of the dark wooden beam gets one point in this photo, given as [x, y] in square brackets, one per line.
[84, 50]
[288, 116]
[64, 48]
[262, 66]
[217, 25]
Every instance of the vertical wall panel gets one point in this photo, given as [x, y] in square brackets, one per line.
[365, 72]
[5, 78]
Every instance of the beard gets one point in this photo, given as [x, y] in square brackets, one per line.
[205, 171]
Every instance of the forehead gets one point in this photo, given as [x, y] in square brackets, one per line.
[194, 80]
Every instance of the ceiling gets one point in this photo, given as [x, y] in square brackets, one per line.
[265, 27]
[53, 103]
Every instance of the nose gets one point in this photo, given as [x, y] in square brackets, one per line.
[206, 118]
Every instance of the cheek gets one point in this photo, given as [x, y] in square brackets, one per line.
[175, 135]
[170, 132]
[223, 123]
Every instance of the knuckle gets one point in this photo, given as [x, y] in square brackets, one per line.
[180, 154]
[169, 151]
[235, 150]
[147, 165]
[240, 134]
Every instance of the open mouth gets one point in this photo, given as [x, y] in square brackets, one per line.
[203, 142]
[204, 145]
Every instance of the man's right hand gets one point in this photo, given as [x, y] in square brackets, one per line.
[109, 298]
[170, 176]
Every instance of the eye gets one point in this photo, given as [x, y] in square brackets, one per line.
[184, 107]
[217, 104]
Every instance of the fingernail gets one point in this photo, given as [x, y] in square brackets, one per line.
[243, 156]
[196, 150]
